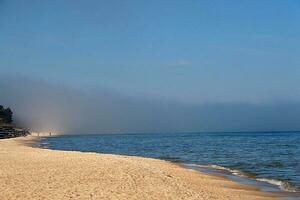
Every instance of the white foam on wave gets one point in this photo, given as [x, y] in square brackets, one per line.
[232, 171]
[217, 167]
[285, 186]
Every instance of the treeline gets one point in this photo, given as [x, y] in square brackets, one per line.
[6, 115]
[7, 129]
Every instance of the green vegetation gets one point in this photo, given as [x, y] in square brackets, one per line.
[7, 129]
[6, 115]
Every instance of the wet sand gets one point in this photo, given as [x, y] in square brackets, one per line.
[34, 173]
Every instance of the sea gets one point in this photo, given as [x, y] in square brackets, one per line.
[268, 160]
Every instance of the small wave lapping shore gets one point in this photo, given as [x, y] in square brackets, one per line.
[281, 185]
[284, 188]
[34, 173]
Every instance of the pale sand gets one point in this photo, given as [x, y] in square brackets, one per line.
[33, 173]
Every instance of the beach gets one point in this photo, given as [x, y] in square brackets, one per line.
[35, 173]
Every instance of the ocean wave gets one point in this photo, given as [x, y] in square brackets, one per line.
[233, 171]
[283, 185]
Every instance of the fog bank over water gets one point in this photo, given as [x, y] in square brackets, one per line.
[43, 106]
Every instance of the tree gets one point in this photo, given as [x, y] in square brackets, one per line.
[9, 115]
[6, 115]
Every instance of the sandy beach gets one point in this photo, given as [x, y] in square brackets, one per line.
[34, 173]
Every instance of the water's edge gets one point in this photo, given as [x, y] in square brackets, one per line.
[285, 192]
[267, 185]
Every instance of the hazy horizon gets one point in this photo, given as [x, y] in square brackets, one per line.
[159, 66]
[42, 106]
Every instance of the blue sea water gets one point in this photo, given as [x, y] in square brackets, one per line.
[265, 157]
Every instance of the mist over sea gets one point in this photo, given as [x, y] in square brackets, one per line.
[270, 158]
[43, 106]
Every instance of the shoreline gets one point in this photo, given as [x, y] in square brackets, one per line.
[213, 170]
[54, 174]
[284, 189]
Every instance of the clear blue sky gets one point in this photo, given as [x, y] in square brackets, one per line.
[189, 51]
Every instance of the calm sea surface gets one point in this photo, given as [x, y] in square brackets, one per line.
[271, 158]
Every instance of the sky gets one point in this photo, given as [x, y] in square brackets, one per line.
[194, 55]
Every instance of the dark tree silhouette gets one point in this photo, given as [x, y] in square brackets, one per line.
[6, 115]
